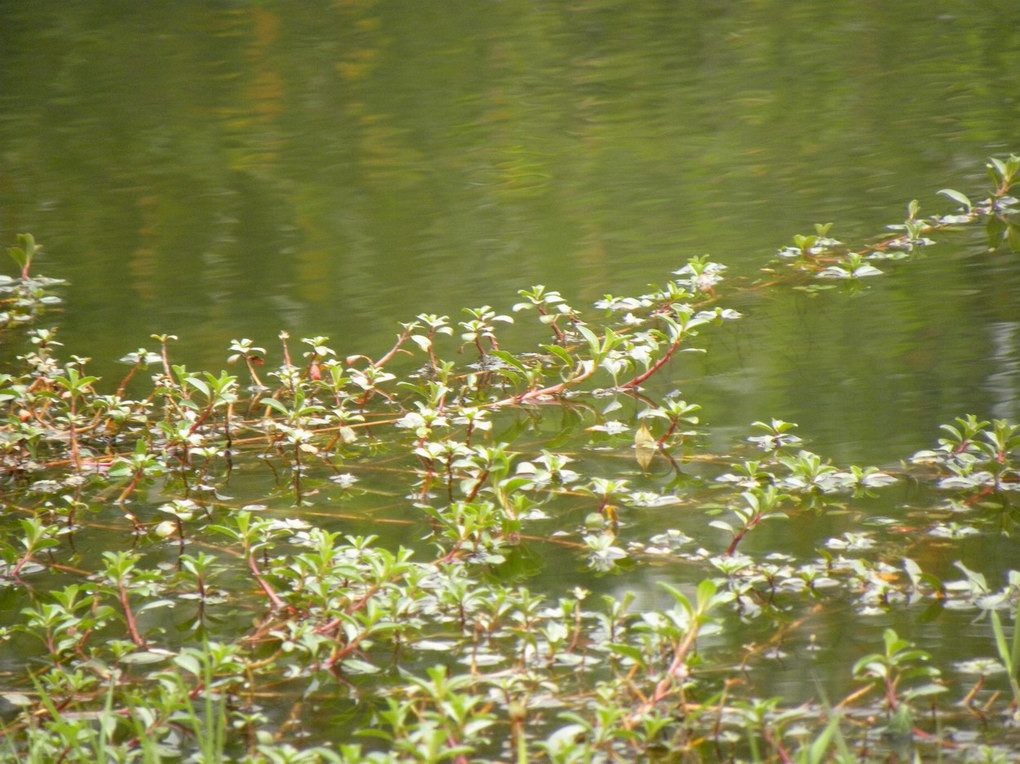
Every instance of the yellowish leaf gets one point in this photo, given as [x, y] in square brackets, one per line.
[645, 447]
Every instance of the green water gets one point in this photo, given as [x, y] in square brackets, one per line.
[219, 170]
[225, 170]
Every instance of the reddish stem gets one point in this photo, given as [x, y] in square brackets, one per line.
[655, 366]
[274, 598]
[739, 535]
[359, 603]
[551, 390]
[401, 339]
[665, 436]
[129, 616]
[478, 485]
[130, 487]
[127, 378]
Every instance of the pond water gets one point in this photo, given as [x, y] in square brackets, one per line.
[218, 170]
[223, 170]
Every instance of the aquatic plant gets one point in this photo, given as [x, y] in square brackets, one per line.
[330, 560]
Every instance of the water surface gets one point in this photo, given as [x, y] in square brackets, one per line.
[218, 170]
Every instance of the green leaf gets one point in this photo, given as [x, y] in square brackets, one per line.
[144, 657]
[956, 196]
[925, 691]
[508, 358]
[679, 596]
[155, 604]
[627, 651]
[189, 663]
[873, 664]
[1000, 641]
[591, 338]
[1015, 653]
[274, 404]
[560, 353]
[706, 592]
[22, 255]
[198, 384]
[355, 666]
[818, 747]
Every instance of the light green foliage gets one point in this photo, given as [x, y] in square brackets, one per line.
[168, 619]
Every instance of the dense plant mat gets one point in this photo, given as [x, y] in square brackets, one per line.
[325, 556]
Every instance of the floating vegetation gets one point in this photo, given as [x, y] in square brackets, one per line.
[326, 557]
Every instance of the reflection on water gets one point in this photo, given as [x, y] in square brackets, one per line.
[222, 170]
[227, 170]
[1003, 379]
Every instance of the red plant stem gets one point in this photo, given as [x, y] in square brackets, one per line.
[449, 556]
[560, 336]
[655, 366]
[201, 418]
[21, 563]
[426, 481]
[163, 354]
[401, 339]
[665, 685]
[226, 429]
[127, 378]
[784, 755]
[72, 434]
[461, 758]
[433, 360]
[274, 598]
[286, 350]
[130, 487]
[665, 435]
[890, 694]
[340, 653]
[478, 485]
[359, 603]
[129, 616]
[250, 363]
[286, 360]
[739, 535]
[545, 391]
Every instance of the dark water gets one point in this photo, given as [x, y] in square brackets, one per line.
[219, 170]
